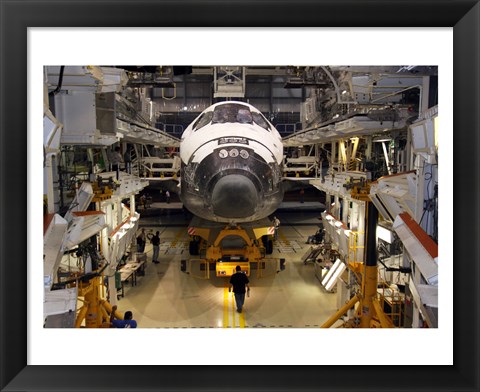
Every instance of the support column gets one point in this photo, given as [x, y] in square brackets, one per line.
[354, 151]
[424, 93]
[342, 154]
[408, 148]
[336, 208]
[419, 167]
[118, 205]
[105, 248]
[48, 184]
[93, 317]
[361, 230]
[345, 211]
[369, 282]
[368, 150]
[132, 205]
[334, 155]
[387, 158]
[106, 162]
[104, 233]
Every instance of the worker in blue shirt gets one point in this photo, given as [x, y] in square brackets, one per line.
[127, 321]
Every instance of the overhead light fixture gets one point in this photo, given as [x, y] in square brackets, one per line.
[331, 277]
[330, 272]
[335, 276]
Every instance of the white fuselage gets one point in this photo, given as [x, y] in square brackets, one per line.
[231, 164]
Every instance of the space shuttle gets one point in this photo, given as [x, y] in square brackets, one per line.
[231, 164]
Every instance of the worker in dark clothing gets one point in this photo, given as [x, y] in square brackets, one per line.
[239, 283]
[156, 247]
[127, 158]
[316, 238]
[116, 159]
[276, 225]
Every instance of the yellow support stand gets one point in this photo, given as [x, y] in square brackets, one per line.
[369, 312]
[350, 304]
[369, 291]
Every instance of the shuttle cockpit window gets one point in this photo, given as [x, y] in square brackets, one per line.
[232, 113]
[260, 120]
[204, 119]
[244, 116]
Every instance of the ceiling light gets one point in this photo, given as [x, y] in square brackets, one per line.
[336, 274]
[333, 274]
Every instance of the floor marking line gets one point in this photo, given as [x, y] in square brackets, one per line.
[242, 319]
[225, 307]
[233, 307]
[180, 233]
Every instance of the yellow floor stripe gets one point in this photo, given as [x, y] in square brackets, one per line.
[225, 306]
[180, 233]
[233, 309]
[242, 319]
[229, 301]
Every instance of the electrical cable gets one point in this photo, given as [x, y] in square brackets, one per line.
[403, 270]
[60, 81]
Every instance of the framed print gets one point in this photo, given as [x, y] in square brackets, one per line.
[110, 373]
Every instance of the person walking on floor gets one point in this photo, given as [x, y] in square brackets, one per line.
[141, 241]
[276, 225]
[239, 283]
[167, 196]
[156, 247]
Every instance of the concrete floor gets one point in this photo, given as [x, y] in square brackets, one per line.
[166, 297]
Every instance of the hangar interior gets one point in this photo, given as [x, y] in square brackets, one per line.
[357, 244]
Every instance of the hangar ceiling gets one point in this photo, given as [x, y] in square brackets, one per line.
[294, 98]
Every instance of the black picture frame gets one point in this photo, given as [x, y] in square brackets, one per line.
[17, 16]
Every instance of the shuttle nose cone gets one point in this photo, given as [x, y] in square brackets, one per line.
[234, 196]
